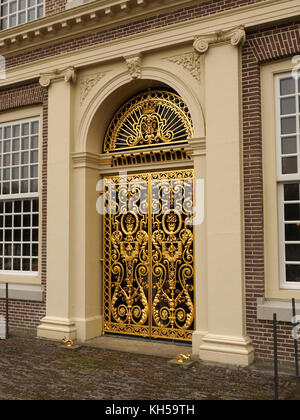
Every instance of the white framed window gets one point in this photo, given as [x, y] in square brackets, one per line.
[17, 12]
[288, 177]
[19, 196]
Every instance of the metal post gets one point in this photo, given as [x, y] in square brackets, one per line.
[6, 298]
[295, 339]
[275, 358]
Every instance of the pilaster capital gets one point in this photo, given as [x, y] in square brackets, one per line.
[67, 75]
[236, 36]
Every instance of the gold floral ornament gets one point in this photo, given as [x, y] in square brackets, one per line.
[148, 267]
[149, 119]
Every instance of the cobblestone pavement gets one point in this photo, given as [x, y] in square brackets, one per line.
[33, 369]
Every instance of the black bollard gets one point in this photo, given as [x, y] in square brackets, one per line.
[295, 339]
[275, 358]
[6, 301]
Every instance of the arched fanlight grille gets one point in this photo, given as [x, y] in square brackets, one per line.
[149, 119]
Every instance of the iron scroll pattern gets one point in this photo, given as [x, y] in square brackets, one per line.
[148, 256]
[149, 119]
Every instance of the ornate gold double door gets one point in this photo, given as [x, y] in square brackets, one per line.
[148, 255]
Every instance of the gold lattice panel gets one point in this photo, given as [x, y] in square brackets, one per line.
[149, 119]
[148, 255]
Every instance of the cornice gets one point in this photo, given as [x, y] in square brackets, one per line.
[268, 13]
[82, 20]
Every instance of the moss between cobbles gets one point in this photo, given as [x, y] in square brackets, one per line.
[41, 370]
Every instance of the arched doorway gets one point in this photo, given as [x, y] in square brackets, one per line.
[148, 236]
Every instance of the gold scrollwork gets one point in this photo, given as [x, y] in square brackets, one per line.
[148, 257]
[149, 119]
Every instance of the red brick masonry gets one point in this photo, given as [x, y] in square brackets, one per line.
[260, 47]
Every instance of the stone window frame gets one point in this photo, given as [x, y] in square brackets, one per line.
[27, 277]
[287, 178]
[273, 181]
[19, 209]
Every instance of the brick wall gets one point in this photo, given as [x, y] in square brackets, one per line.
[261, 47]
[54, 6]
[25, 314]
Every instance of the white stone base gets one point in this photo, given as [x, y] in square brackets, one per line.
[197, 341]
[56, 328]
[227, 350]
[88, 328]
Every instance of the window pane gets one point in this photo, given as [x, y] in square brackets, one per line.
[25, 129]
[12, 20]
[34, 127]
[292, 212]
[27, 206]
[22, 4]
[31, 14]
[22, 18]
[7, 263]
[35, 265]
[16, 145]
[287, 86]
[288, 106]
[292, 232]
[12, 6]
[293, 273]
[289, 145]
[16, 264]
[288, 125]
[290, 165]
[7, 249]
[26, 264]
[291, 192]
[17, 250]
[16, 131]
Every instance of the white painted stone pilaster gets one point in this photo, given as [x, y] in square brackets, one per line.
[226, 340]
[58, 322]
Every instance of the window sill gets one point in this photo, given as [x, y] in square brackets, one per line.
[23, 292]
[283, 309]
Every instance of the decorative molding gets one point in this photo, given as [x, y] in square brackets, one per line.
[68, 75]
[189, 62]
[85, 17]
[87, 83]
[254, 15]
[198, 145]
[236, 36]
[134, 64]
[86, 160]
